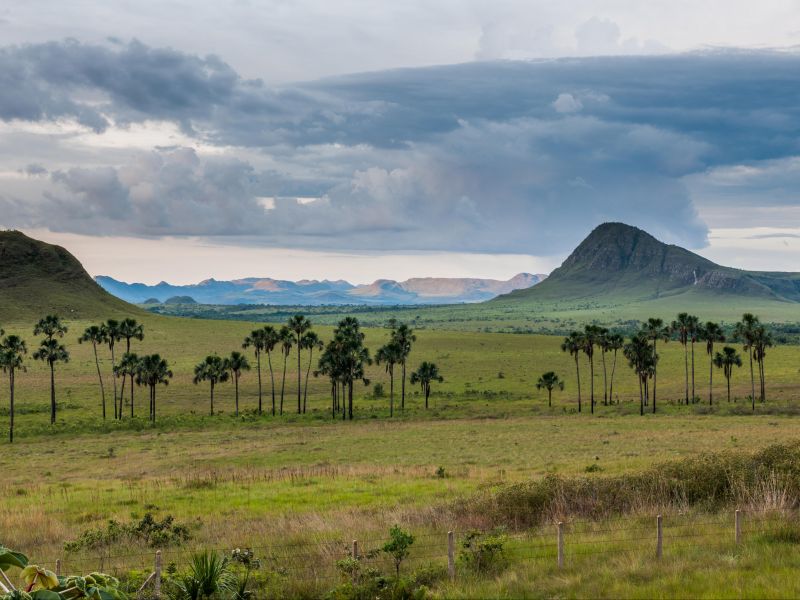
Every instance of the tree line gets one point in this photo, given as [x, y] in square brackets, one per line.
[343, 360]
[641, 352]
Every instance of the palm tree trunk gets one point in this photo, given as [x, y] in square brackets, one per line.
[641, 397]
[763, 382]
[752, 380]
[427, 394]
[344, 400]
[236, 387]
[549, 397]
[591, 383]
[272, 380]
[258, 363]
[693, 390]
[298, 377]
[611, 383]
[391, 391]
[11, 407]
[711, 382]
[52, 394]
[131, 395]
[578, 371]
[686, 371]
[283, 380]
[154, 404]
[114, 379]
[655, 373]
[121, 396]
[212, 398]
[729, 387]
[308, 373]
[350, 399]
[100, 377]
[403, 388]
[605, 379]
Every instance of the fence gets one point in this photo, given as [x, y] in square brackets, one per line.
[559, 546]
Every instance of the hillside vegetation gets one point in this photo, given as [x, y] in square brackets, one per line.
[38, 278]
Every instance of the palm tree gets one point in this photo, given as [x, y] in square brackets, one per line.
[573, 344]
[129, 330]
[727, 360]
[95, 335]
[592, 334]
[286, 339]
[329, 365]
[694, 335]
[51, 352]
[602, 342]
[641, 359]
[271, 339]
[404, 337]
[351, 357]
[762, 339]
[258, 340]
[128, 366]
[426, 374]
[655, 330]
[213, 370]
[12, 356]
[681, 327]
[298, 325]
[548, 381]
[111, 334]
[310, 341]
[745, 331]
[153, 371]
[236, 363]
[389, 354]
[711, 333]
[615, 342]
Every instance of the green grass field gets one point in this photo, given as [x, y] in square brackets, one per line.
[309, 480]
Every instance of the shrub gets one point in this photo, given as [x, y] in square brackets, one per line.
[154, 533]
[483, 552]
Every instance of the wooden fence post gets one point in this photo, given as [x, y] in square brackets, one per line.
[451, 555]
[355, 557]
[157, 578]
[58, 567]
[659, 538]
[560, 545]
[738, 526]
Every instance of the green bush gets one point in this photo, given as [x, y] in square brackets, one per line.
[484, 552]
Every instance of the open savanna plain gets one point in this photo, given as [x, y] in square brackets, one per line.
[298, 488]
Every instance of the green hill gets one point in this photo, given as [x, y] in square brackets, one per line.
[38, 278]
[623, 271]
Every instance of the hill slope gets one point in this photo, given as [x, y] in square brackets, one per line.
[38, 278]
[618, 265]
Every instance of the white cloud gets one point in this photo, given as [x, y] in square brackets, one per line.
[567, 103]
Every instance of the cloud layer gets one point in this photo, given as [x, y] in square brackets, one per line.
[482, 157]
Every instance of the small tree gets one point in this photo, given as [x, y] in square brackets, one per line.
[549, 381]
[95, 335]
[425, 374]
[51, 352]
[398, 546]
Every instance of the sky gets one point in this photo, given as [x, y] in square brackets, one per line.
[360, 140]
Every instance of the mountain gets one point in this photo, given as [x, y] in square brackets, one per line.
[621, 264]
[312, 292]
[38, 278]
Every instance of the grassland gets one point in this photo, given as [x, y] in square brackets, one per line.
[261, 481]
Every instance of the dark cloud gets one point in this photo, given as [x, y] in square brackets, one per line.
[500, 156]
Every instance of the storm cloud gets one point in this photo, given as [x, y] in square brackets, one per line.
[511, 156]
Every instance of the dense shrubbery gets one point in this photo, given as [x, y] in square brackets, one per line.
[148, 530]
[767, 478]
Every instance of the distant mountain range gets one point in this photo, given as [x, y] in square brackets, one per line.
[421, 290]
